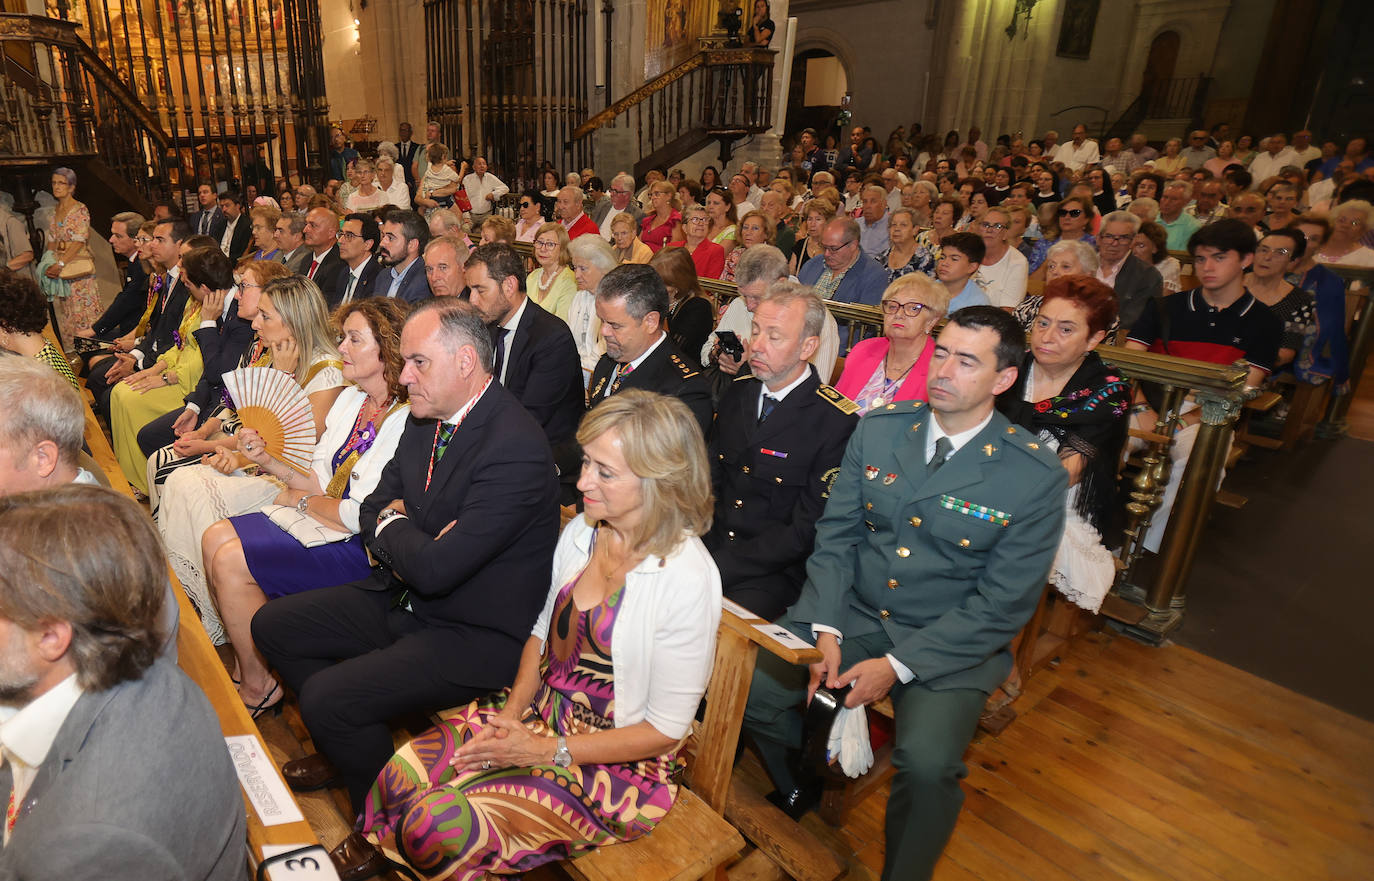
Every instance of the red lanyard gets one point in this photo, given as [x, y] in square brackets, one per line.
[457, 421]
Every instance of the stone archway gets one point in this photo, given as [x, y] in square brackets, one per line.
[819, 45]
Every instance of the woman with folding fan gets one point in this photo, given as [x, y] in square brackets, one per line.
[293, 323]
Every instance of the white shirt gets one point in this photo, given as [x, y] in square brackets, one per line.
[1107, 274]
[509, 327]
[27, 734]
[398, 193]
[1266, 164]
[478, 188]
[1005, 280]
[779, 395]
[355, 275]
[173, 275]
[367, 471]
[1079, 157]
[957, 442]
[228, 238]
[611, 214]
[621, 368]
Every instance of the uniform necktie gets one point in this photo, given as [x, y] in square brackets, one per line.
[625, 370]
[766, 407]
[942, 448]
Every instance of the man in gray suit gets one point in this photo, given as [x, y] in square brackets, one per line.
[1135, 281]
[114, 763]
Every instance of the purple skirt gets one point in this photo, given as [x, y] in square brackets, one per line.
[281, 565]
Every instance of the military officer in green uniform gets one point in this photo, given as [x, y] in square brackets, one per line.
[930, 557]
[776, 444]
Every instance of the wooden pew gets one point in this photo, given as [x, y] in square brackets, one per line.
[198, 659]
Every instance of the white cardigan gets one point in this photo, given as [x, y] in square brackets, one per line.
[664, 641]
[367, 471]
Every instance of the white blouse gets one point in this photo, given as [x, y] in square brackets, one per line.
[367, 471]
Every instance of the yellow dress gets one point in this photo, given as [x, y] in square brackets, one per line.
[130, 411]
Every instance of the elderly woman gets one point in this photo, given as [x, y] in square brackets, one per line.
[893, 367]
[661, 222]
[579, 751]
[625, 238]
[528, 216]
[1226, 156]
[1330, 353]
[162, 387]
[592, 258]
[816, 213]
[690, 311]
[707, 256]
[23, 315]
[905, 254]
[755, 228]
[1146, 185]
[942, 219]
[723, 228]
[1076, 405]
[1152, 245]
[920, 196]
[1172, 161]
[264, 225]
[1075, 216]
[217, 429]
[292, 322]
[1277, 258]
[392, 183]
[368, 195]
[71, 227]
[1063, 258]
[497, 229]
[258, 555]
[551, 284]
[1350, 221]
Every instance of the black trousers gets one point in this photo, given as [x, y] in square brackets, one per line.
[767, 596]
[355, 663]
[158, 433]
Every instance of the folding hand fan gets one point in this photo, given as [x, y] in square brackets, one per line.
[269, 402]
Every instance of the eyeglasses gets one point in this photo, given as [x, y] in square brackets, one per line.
[345, 235]
[1112, 237]
[143, 240]
[994, 227]
[526, 204]
[1070, 212]
[545, 244]
[1266, 251]
[835, 249]
[910, 310]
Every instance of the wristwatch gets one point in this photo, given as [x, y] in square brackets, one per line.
[304, 503]
[562, 758]
[386, 515]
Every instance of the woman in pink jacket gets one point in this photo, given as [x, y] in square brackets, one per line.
[893, 367]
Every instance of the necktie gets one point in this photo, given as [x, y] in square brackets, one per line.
[314, 264]
[625, 370]
[766, 407]
[204, 222]
[352, 283]
[500, 334]
[446, 430]
[942, 448]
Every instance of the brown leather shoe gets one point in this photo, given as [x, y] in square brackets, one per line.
[311, 772]
[355, 859]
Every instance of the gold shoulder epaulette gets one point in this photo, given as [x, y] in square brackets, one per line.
[743, 376]
[904, 408]
[841, 403]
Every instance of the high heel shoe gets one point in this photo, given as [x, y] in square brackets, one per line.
[263, 707]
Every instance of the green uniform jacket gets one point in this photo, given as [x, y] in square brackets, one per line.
[951, 567]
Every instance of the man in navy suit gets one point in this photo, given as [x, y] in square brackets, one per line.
[404, 236]
[321, 237]
[462, 525]
[236, 232]
[358, 238]
[408, 150]
[127, 308]
[536, 357]
[209, 220]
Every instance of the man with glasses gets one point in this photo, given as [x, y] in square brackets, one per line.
[358, 240]
[1135, 282]
[776, 446]
[404, 236]
[873, 221]
[622, 201]
[961, 256]
[842, 271]
[301, 199]
[1196, 154]
[1207, 205]
[1172, 217]
[1003, 268]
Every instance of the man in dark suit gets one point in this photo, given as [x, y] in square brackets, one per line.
[129, 304]
[223, 336]
[536, 357]
[209, 220]
[776, 444]
[100, 709]
[408, 150]
[931, 555]
[1136, 282]
[358, 240]
[237, 233]
[321, 237]
[290, 241]
[631, 302]
[404, 236]
[462, 525]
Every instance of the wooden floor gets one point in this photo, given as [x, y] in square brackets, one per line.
[1126, 763]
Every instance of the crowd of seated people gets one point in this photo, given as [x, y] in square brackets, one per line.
[460, 393]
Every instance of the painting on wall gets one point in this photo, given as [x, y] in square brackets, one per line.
[671, 31]
[1076, 28]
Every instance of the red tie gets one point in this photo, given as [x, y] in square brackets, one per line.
[314, 264]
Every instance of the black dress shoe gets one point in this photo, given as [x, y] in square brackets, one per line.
[311, 772]
[797, 802]
[356, 858]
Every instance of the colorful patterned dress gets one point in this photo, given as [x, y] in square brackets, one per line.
[447, 825]
[81, 308]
